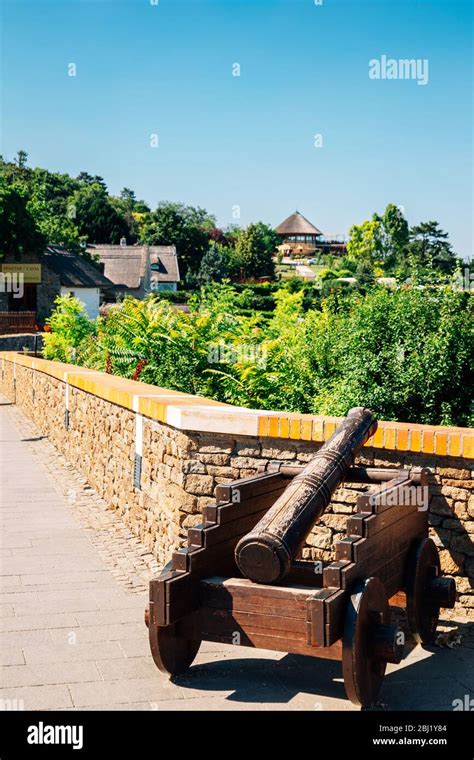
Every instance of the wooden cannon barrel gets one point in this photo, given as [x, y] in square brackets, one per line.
[265, 554]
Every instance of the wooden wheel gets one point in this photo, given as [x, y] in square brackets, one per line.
[369, 642]
[172, 653]
[426, 590]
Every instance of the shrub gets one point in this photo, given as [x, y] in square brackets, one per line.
[405, 353]
[69, 327]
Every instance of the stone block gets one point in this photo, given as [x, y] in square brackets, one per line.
[214, 459]
[200, 484]
[463, 544]
[451, 562]
[193, 466]
[439, 506]
[466, 600]
[337, 522]
[456, 494]
[320, 538]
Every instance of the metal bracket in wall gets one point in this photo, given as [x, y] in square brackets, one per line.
[66, 401]
[137, 471]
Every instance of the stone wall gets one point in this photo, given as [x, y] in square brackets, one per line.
[181, 467]
[47, 291]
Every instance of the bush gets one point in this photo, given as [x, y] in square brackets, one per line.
[405, 353]
[172, 296]
[70, 326]
[327, 274]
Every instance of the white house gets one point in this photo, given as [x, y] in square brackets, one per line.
[78, 277]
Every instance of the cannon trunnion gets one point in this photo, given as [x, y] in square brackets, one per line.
[335, 610]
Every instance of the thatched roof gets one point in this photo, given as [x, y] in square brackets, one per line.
[73, 270]
[128, 265]
[297, 224]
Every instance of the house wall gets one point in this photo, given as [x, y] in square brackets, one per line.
[189, 445]
[90, 297]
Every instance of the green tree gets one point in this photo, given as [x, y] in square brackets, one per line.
[19, 233]
[96, 218]
[430, 250]
[255, 247]
[87, 179]
[132, 211]
[365, 241]
[214, 265]
[21, 159]
[395, 236]
[185, 227]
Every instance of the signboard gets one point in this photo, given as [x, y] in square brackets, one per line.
[31, 272]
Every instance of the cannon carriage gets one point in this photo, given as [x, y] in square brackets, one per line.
[240, 579]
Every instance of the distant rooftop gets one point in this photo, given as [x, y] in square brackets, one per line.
[126, 265]
[297, 224]
[74, 270]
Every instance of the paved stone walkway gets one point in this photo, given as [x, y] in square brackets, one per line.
[72, 594]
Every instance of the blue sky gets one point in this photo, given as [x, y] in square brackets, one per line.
[248, 141]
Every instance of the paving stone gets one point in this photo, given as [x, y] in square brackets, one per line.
[14, 596]
[38, 622]
[130, 706]
[137, 647]
[105, 617]
[52, 673]
[124, 691]
[10, 583]
[210, 703]
[11, 655]
[25, 638]
[39, 697]
[111, 632]
[58, 606]
[135, 667]
[74, 651]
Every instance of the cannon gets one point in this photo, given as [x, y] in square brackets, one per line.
[265, 554]
[241, 580]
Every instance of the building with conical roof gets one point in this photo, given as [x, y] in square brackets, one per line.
[299, 237]
[298, 234]
[298, 229]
